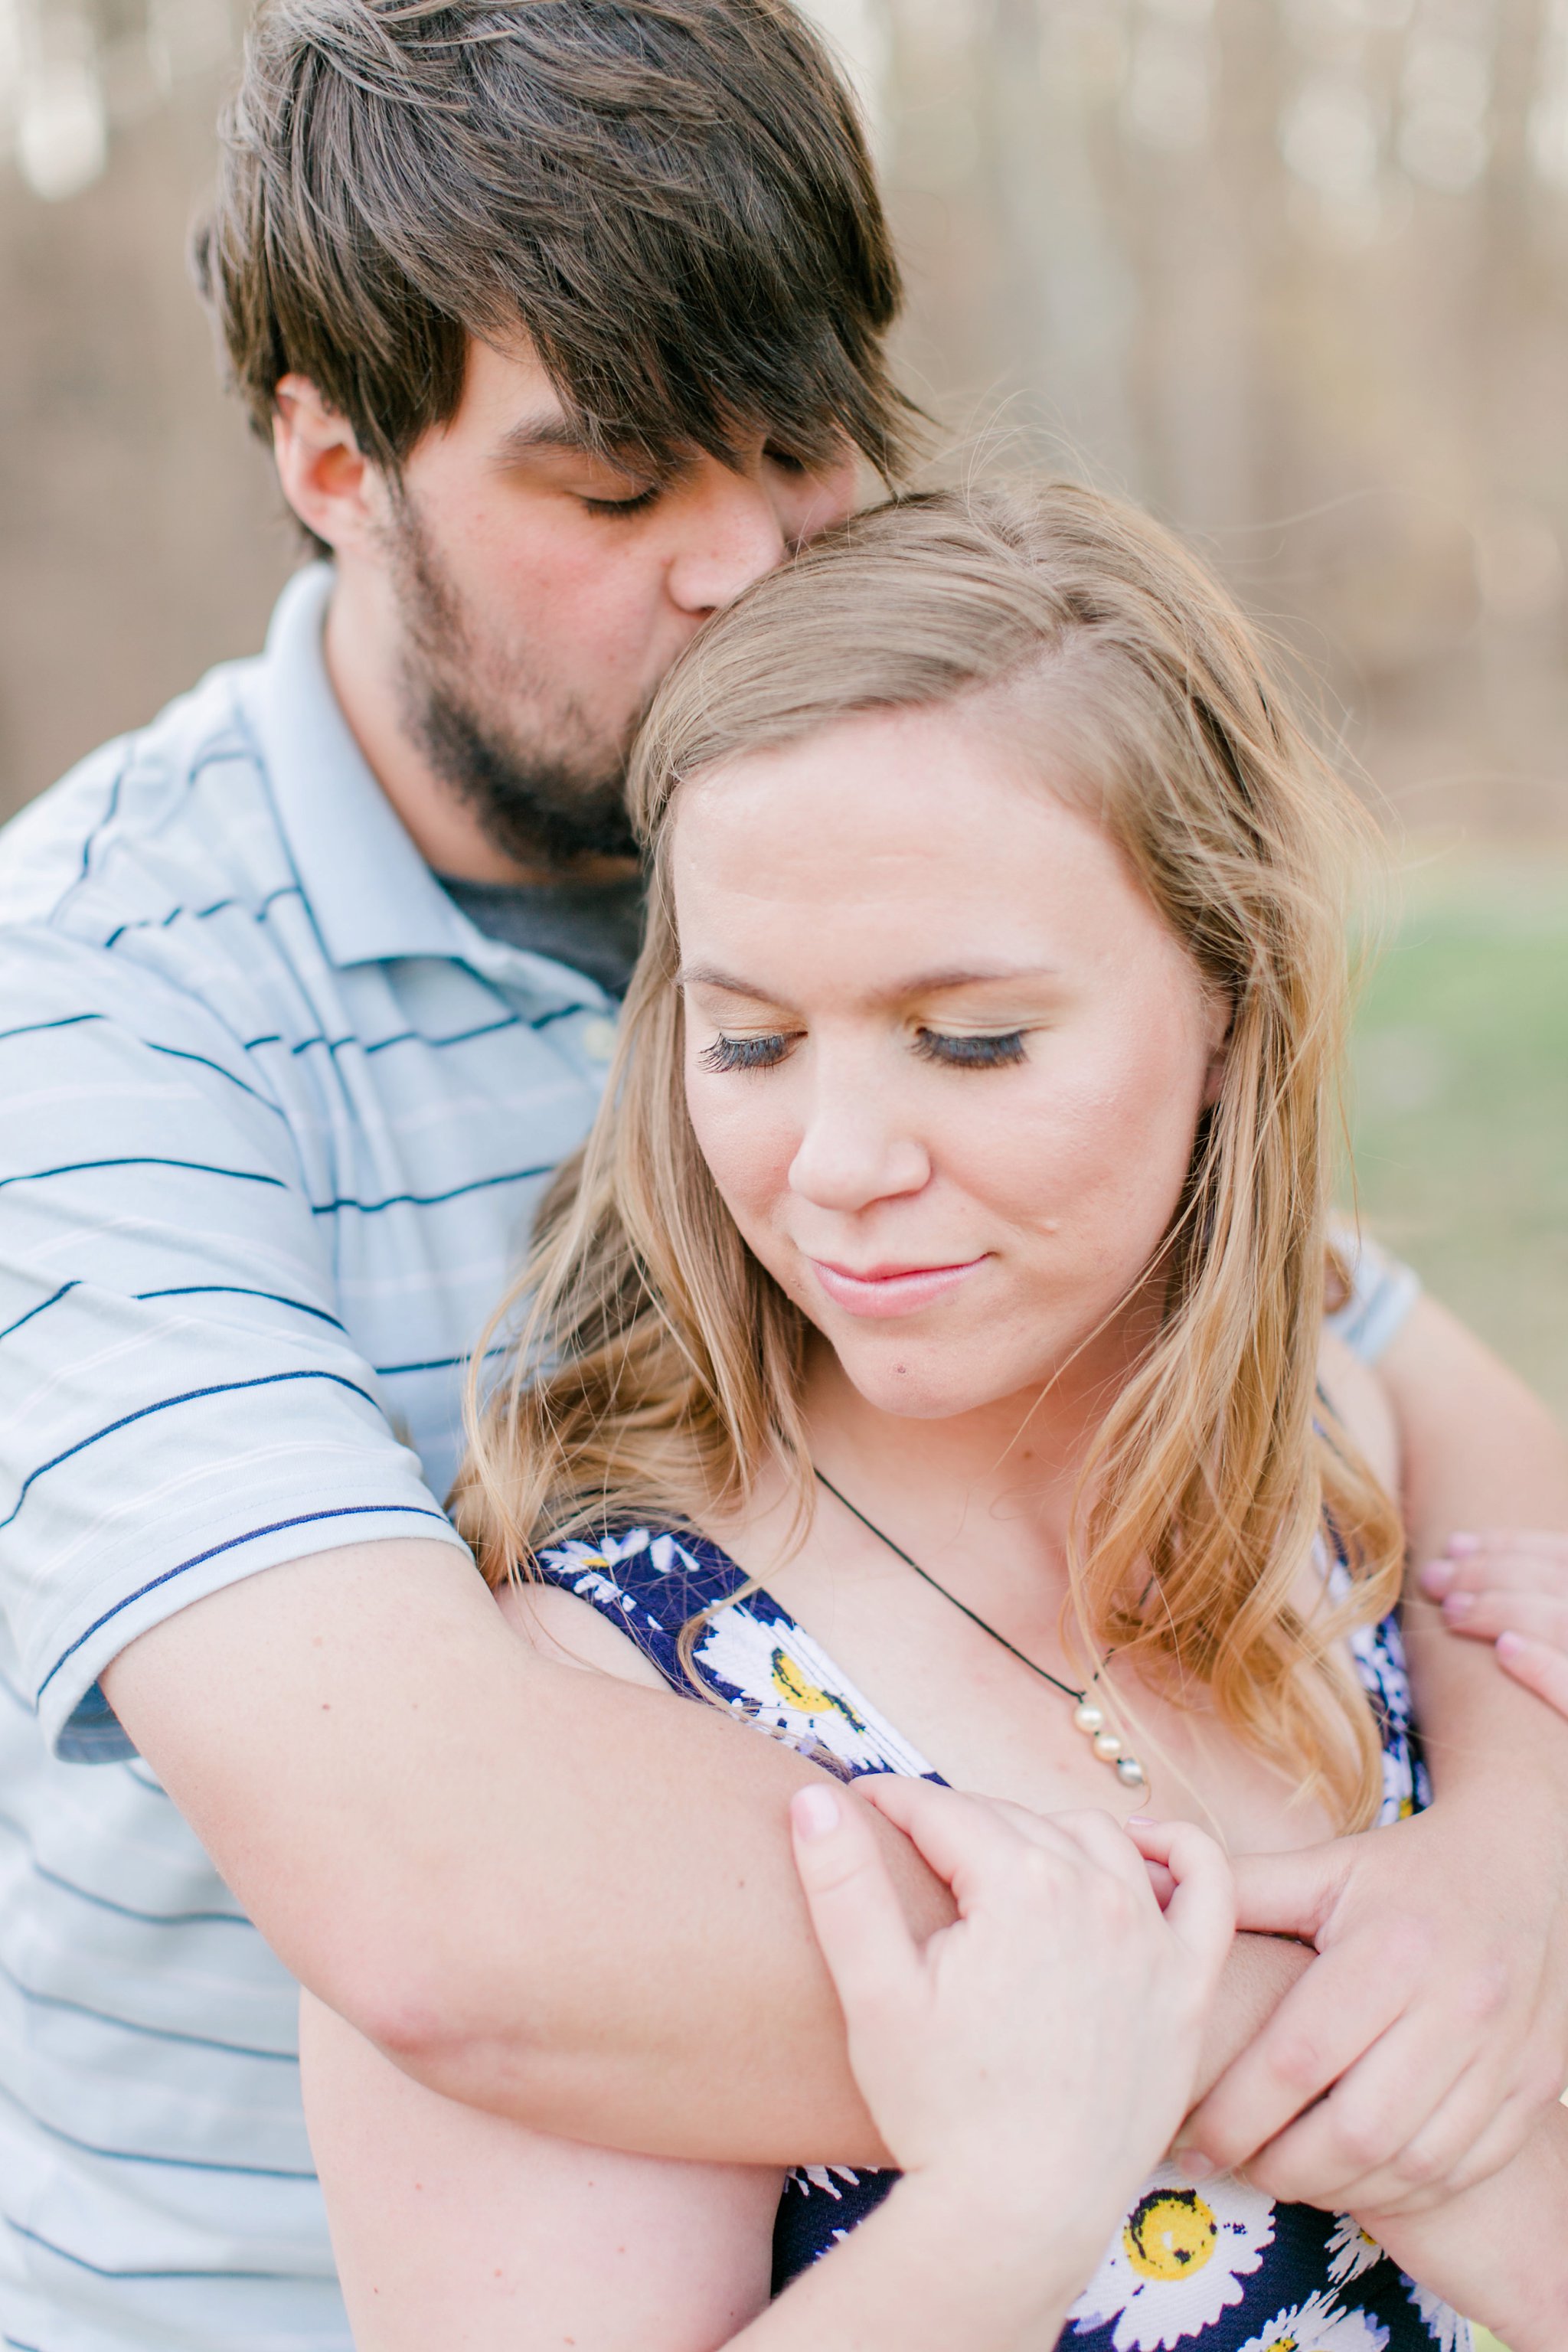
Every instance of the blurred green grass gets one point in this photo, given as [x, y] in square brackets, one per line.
[1459, 1099]
[1459, 1105]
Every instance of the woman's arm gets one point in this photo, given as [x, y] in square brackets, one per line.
[1034, 2058]
[459, 2229]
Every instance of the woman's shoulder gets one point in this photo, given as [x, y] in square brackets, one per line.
[616, 1600]
[1361, 1404]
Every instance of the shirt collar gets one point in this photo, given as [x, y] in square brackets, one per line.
[371, 895]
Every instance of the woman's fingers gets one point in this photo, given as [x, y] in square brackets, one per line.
[1201, 1911]
[968, 1841]
[1541, 1666]
[855, 1915]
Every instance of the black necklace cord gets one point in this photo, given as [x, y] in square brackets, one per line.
[962, 1608]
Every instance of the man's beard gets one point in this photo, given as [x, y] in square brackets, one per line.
[539, 803]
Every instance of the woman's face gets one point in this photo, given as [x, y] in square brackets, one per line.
[943, 1058]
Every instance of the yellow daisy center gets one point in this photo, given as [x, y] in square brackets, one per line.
[1170, 2234]
[790, 1682]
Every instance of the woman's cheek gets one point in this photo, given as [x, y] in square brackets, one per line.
[748, 1144]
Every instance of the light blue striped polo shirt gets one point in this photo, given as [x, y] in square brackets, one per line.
[276, 1117]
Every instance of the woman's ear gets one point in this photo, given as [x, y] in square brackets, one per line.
[331, 485]
[1221, 1022]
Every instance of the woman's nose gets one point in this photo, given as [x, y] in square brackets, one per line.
[733, 532]
[854, 1152]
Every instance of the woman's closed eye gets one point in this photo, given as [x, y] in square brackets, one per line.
[970, 1050]
[959, 1051]
[744, 1053]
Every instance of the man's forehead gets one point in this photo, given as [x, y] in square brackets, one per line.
[509, 396]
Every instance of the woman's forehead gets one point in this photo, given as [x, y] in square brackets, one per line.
[892, 842]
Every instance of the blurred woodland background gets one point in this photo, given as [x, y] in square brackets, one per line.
[1294, 272]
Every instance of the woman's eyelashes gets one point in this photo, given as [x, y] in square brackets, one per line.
[744, 1053]
[970, 1051]
[954, 1051]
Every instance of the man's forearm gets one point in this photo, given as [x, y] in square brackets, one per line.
[543, 1891]
[1480, 1450]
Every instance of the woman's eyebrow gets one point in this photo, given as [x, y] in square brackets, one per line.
[924, 984]
[707, 975]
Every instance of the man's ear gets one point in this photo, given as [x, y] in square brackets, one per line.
[333, 487]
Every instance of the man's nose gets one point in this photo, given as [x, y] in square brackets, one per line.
[733, 532]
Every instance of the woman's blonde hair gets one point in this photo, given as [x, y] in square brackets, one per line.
[657, 1367]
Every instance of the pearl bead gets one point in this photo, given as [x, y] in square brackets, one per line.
[1089, 1718]
[1107, 1747]
[1130, 1772]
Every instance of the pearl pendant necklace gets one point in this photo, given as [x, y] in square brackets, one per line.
[1088, 1716]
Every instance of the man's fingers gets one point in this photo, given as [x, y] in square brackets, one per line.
[863, 1933]
[1540, 1666]
[1542, 1617]
[1324, 2023]
[1532, 1563]
[1546, 1543]
[1289, 1894]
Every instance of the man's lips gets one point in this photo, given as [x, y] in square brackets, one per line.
[888, 1290]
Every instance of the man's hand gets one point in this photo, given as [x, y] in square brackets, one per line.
[1509, 1588]
[1422, 2047]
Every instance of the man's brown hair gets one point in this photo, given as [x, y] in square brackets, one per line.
[672, 198]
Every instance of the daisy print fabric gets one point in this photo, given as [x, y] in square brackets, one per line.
[1218, 2267]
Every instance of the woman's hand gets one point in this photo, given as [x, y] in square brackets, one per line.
[1036, 2056]
[1499, 2251]
[1423, 2045]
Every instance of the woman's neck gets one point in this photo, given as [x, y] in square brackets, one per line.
[1017, 1459]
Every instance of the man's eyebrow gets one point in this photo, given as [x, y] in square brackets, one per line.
[521, 440]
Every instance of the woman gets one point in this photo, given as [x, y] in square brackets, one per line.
[950, 1254]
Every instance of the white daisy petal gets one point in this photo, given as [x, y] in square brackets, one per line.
[1319, 2324]
[1177, 2262]
[1445, 2326]
[1351, 2251]
[798, 1691]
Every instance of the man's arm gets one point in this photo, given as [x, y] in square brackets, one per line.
[543, 1891]
[1436, 2019]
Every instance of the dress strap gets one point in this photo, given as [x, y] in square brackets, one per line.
[649, 1582]
[751, 1656]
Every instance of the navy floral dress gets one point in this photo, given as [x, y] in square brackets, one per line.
[1221, 2267]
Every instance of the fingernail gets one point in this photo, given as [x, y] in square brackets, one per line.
[1140, 1820]
[1193, 2165]
[1511, 1645]
[1459, 1604]
[1436, 1578]
[815, 1812]
[1462, 1546]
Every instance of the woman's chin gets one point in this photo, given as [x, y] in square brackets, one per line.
[916, 1389]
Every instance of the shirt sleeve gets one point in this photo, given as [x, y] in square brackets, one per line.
[1382, 1293]
[180, 1402]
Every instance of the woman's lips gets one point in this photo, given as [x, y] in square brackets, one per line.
[888, 1290]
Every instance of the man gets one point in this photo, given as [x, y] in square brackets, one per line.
[566, 318]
